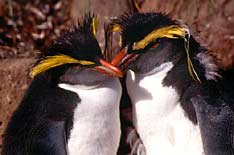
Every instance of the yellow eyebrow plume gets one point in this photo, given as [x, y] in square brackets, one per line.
[116, 28]
[192, 71]
[54, 61]
[94, 25]
[173, 31]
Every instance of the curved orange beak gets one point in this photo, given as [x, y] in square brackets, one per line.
[118, 58]
[124, 58]
[108, 69]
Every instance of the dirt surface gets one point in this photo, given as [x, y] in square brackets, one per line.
[14, 82]
[213, 20]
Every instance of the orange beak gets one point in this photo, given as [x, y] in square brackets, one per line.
[118, 58]
[123, 58]
[108, 69]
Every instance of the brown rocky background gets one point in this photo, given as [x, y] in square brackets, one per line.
[28, 26]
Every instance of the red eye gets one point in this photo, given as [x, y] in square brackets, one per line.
[154, 45]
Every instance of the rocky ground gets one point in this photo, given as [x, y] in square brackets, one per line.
[34, 25]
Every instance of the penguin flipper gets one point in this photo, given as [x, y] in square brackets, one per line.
[51, 139]
[47, 138]
[216, 121]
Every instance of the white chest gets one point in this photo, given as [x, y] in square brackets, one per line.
[96, 123]
[158, 116]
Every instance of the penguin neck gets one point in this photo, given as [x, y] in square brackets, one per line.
[100, 96]
[96, 124]
[149, 88]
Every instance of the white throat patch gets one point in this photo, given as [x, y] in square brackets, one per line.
[159, 117]
[96, 122]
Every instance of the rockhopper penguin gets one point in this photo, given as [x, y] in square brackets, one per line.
[182, 102]
[72, 104]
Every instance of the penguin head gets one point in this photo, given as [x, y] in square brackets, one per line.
[151, 39]
[76, 52]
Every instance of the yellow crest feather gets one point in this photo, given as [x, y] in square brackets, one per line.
[120, 41]
[173, 31]
[94, 25]
[54, 61]
[191, 69]
[116, 28]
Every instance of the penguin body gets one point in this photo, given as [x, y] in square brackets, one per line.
[96, 120]
[182, 102]
[158, 116]
[41, 123]
[71, 105]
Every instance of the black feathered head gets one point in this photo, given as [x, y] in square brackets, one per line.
[136, 27]
[142, 31]
[79, 47]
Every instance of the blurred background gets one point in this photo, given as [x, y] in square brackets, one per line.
[27, 27]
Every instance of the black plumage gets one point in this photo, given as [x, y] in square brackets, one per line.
[79, 42]
[42, 122]
[136, 26]
[209, 103]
